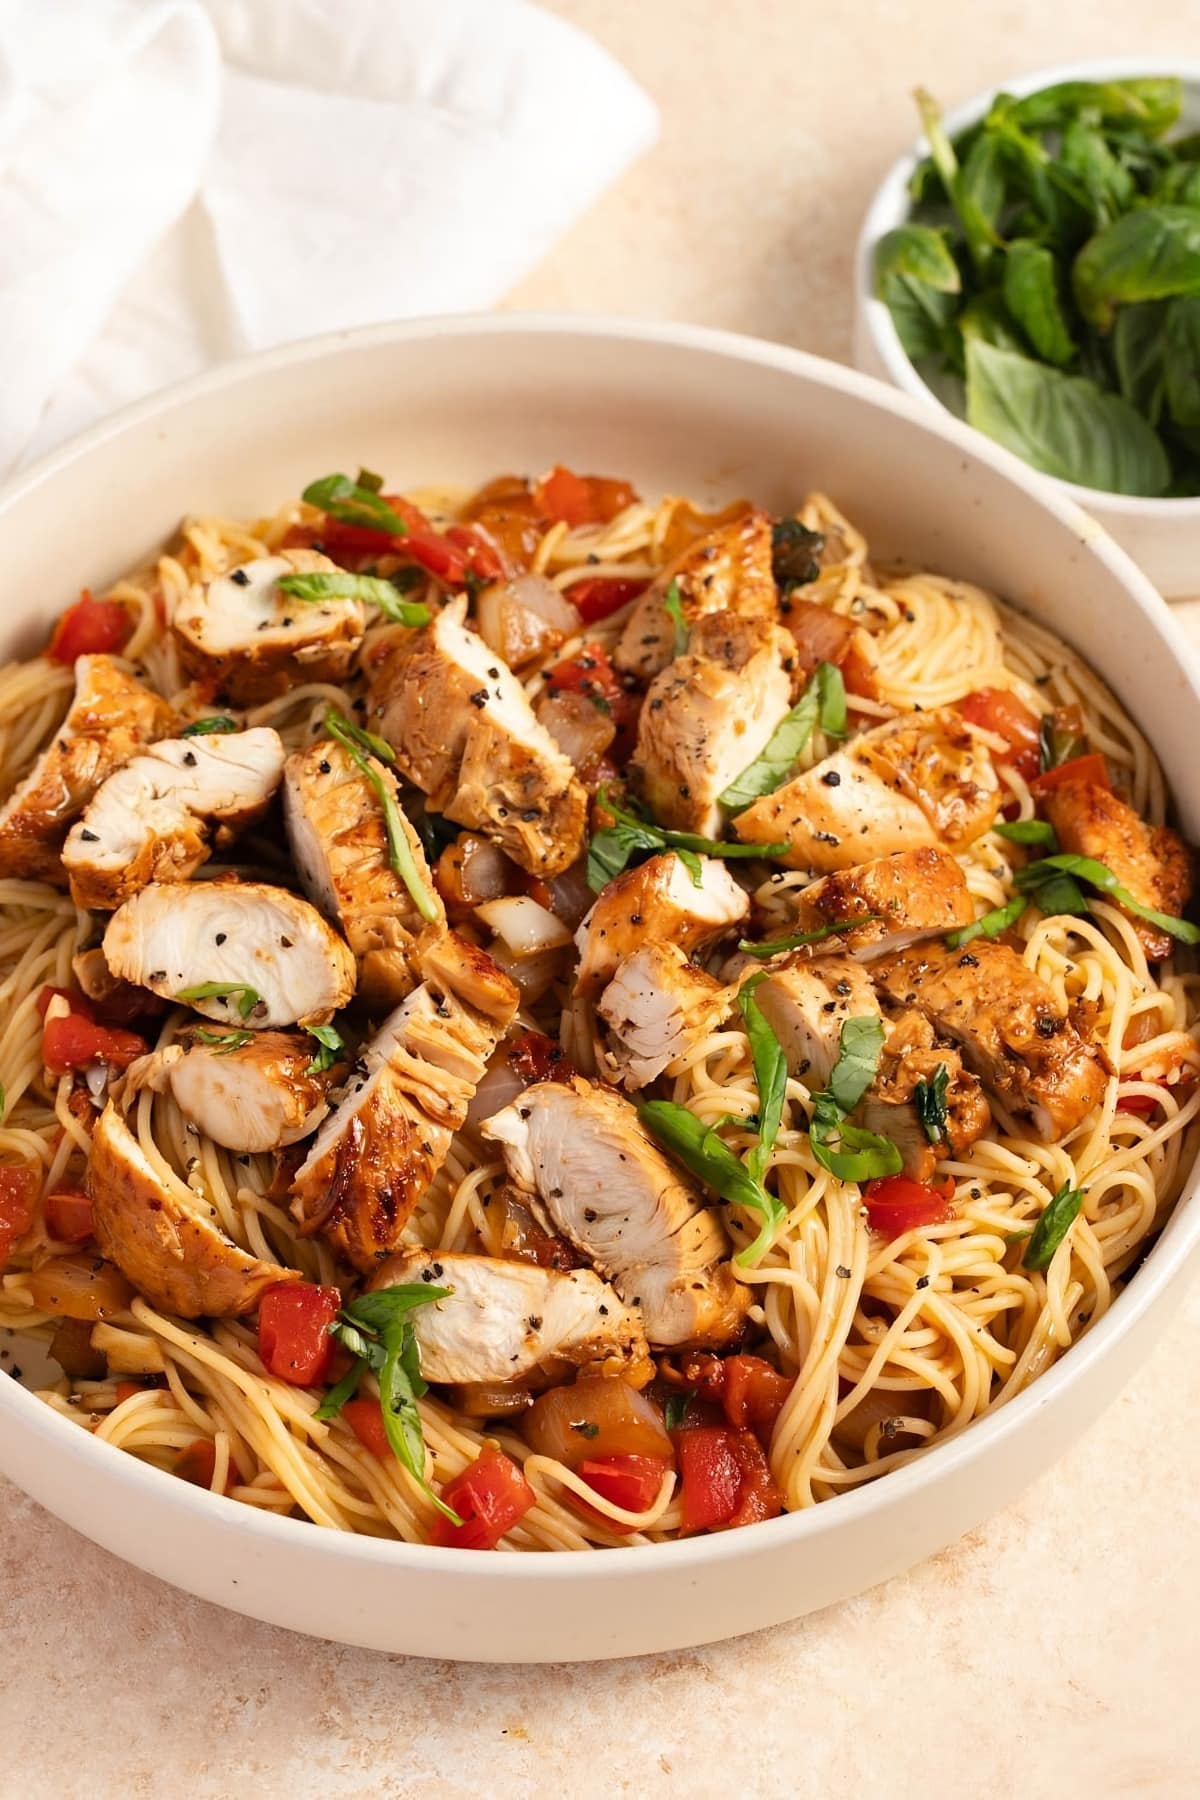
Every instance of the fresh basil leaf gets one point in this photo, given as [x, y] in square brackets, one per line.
[368, 1349]
[339, 1393]
[400, 850]
[795, 550]
[315, 585]
[799, 939]
[367, 478]
[1151, 253]
[986, 317]
[860, 1155]
[1061, 894]
[859, 1046]
[823, 701]
[990, 925]
[224, 1042]
[929, 1098]
[1137, 344]
[673, 606]
[918, 280]
[331, 1048]
[978, 196]
[1181, 359]
[352, 736]
[770, 1076]
[611, 849]
[675, 1411]
[216, 725]
[1178, 185]
[1031, 293]
[1026, 831]
[1109, 184]
[1037, 876]
[381, 1308]
[1151, 102]
[699, 1149]
[350, 504]
[1052, 1227]
[224, 990]
[692, 864]
[1062, 424]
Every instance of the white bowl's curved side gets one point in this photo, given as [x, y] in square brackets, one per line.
[1162, 536]
[710, 415]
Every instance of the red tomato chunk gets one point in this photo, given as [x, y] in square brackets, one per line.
[69, 1216]
[490, 1497]
[91, 627]
[896, 1205]
[725, 1477]
[1000, 711]
[293, 1331]
[18, 1191]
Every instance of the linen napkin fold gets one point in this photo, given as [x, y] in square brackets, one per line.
[182, 180]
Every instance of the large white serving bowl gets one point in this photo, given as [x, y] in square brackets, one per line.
[676, 409]
[1163, 536]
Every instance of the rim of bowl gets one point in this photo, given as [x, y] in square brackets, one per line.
[1164, 1262]
[890, 206]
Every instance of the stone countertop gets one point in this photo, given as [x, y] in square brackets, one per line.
[1053, 1652]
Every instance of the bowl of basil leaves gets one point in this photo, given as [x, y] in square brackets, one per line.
[1033, 265]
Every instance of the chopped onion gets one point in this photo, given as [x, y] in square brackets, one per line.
[525, 928]
[532, 974]
[79, 1287]
[128, 1352]
[570, 896]
[579, 728]
[488, 1399]
[500, 1085]
[473, 869]
[524, 619]
[544, 599]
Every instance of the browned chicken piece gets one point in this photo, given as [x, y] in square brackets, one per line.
[255, 1096]
[656, 1007]
[506, 1321]
[159, 817]
[601, 1180]
[339, 841]
[902, 899]
[163, 1237]
[729, 570]
[806, 1003]
[910, 1056]
[708, 716]
[1152, 861]
[464, 732]
[919, 780]
[375, 1156]
[656, 902]
[112, 716]
[242, 633]
[1009, 1026]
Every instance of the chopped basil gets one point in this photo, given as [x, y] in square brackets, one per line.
[1057, 743]
[365, 740]
[700, 1149]
[990, 925]
[337, 584]
[861, 1156]
[352, 504]
[823, 702]
[331, 1047]
[799, 939]
[929, 1098]
[224, 990]
[859, 1047]
[676, 1408]
[1027, 831]
[770, 1076]
[1056, 1220]
[224, 1042]
[585, 1427]
[367, 478]
[673, 605]
[400, 851]
[794, 553]
[216, 724]
[611, 850]
[1041, 880]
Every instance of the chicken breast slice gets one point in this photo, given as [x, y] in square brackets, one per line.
[163, 1237]
[1008, 1025]
[375, 1156]
[727, 571]
[603, 1183]
[158, 818]
[806, 1003]
[339, 844]
[252, 641]
[905, 898]
[273, 951]
[656, 902]
[111, 717]
[708, 715]
[919, 780]
[464, 732]
[1152, 861]
[656, 1007]
[254, 1096]
[508, 1321]
[912, 1055]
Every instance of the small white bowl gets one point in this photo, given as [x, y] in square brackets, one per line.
[1163, 536]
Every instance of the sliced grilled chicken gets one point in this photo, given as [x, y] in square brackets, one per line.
[656, 902]
[163, 1237]
[807, 1003]
[158, 818]
[507, 1321]
[727, 571]
[919, 780]
[339, 841]
[465, 733]
[1151, 861]
[253, 1096]
[273, 954]
[111, 717]
[902, 899]
[377, 1153]
[1009, 1026]
[708, 715]
[606, 1186]
[912, 1055]
[241, 633]
[656, 1007]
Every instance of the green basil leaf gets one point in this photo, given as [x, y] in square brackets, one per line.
[986, 317]
[699, 1149]
[929, 1098]
[1138, 344]
[1152, 102]
[1037, 876]
[990, 925]
[799, 939]
[1062, 424]
[1151, 253]
[339, 1393]
[224, 1042]
[1052, 1227]
[331, 1048]
[400, 850]
[351, 504]
[336, 584]
[823, 700]
[612, 848]
[859, 1046]
[978, 195]
[673, 607]
[1109, 184]
[1061, 894]
[1026, 831]
[216, 725]
[770, 1076]
[1031, 293]
[795, 550]
[1181, 357]
[367, 478]
[224, 990]
[860, 1155]
[675, 1411]
[1178, 185]
[918, 280]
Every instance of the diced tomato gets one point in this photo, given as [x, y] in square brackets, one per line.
[69, 1216]
[535, 1057]
[127, 1389]
[1091, 768]
[725, 1479]
[490, 1497]
[450, 556]
[629, 1481]
[754, 1393]
[365, 1419]
[293, 1330]
[76, 1002]
[76, 1040]
[197, 1462]
[482, 556]
[1000, 711]
[591, 673]
[1141, 1104]
[581, 499]
[896, 1205]
[18, 1191]
[91, 627]
[599, 596]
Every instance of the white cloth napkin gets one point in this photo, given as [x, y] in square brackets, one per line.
[182, 180]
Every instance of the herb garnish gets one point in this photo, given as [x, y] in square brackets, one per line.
[675, 1411]
[929, 1098]
[337, 584]
[362, 747]
[823, 701]
[799, 939]
[1052, 1227]
[217, 724]
[990, 925]
[611, 850]
[1043, 880]
[224, 1042]
[794, 553]
[353, 504]
[376, 1329]
[331, 1047]
[700, 1149]
[1027, 831]
[861, 1155]
[673, 605]
[224, 990]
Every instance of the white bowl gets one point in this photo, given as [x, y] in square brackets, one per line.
[1163, 536]
[673, 408]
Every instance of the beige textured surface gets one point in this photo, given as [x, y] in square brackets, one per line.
[1055, 1652]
